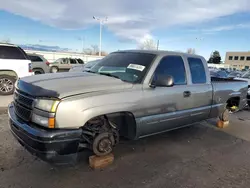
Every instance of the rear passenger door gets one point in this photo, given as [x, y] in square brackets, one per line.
[200, 89]
[64, 64]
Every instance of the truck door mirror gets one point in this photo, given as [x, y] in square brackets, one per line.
[162, 81]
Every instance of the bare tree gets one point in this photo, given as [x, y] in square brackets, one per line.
[191, 51]
[148, 44]
[95, 49]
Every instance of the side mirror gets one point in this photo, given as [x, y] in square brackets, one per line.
[162, 81]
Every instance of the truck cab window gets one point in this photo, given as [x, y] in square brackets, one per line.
[173, 66]
[197, 70]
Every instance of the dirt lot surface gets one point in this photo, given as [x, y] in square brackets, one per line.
[5, 100]
[198, 156]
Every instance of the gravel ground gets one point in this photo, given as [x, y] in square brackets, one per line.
[5, 100]
[199, 156]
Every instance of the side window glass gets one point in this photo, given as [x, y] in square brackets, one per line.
[35, 58]
[64, 61]
[10, 52]
[72, 61]
[197, 70]
[173, 66]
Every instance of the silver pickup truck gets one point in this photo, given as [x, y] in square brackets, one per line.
[129, 94]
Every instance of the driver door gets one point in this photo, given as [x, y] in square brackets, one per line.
[167, 107]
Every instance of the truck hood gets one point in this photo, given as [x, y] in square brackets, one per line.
[62, 85]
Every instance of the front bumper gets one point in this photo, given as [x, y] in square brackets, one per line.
[54, 146]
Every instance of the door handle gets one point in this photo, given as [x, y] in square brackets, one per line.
[186, 94]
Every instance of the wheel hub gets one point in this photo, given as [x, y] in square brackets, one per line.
[6, 85]
[103, 144]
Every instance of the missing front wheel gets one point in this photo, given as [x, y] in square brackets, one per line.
[100, 136]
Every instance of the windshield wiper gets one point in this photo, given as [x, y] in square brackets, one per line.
[108, 74]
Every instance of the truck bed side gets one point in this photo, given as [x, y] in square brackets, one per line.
[225, 90]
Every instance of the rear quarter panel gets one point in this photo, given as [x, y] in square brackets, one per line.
[40, 65]
[20, 67]
[223, 91]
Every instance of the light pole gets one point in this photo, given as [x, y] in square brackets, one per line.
[101, 22]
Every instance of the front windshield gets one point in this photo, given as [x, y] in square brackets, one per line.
[127, 66]
[246, 75]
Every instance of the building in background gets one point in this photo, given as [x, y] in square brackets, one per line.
[238, 60]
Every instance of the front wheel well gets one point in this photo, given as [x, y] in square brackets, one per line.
[124, 121]
[9, 73]
[36, 70]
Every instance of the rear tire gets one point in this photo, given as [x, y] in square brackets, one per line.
[7, 84]
[38, 71]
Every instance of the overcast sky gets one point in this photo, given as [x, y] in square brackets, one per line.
[206, 25]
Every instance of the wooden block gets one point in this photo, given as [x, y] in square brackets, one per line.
[222, 124]
[97, 162]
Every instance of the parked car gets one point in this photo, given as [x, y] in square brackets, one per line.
[84, 67]
[64, 64]
[151, 92]
[219, 74]
[246, 77]
[39, 64]
[80, 61]
[234, 74]
[14, 64]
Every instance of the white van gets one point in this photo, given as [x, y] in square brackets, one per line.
[14, 64]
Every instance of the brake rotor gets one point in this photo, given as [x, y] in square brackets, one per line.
[103, 144]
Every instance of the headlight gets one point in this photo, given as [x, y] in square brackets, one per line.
[46, 105]
[43, 121]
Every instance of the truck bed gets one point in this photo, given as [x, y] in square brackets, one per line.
[227, 89]
[215, 79]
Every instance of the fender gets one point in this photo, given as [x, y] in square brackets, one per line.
[80, 118]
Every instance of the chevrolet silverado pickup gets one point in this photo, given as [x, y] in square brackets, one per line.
[129, 94]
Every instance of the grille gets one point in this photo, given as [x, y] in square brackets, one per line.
[23, 99]
[23, 105]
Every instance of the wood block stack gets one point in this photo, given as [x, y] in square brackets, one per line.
[96, 162]
[222, 124]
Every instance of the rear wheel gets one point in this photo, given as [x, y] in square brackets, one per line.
[38, 71]
[54, 69]
[7, 84]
